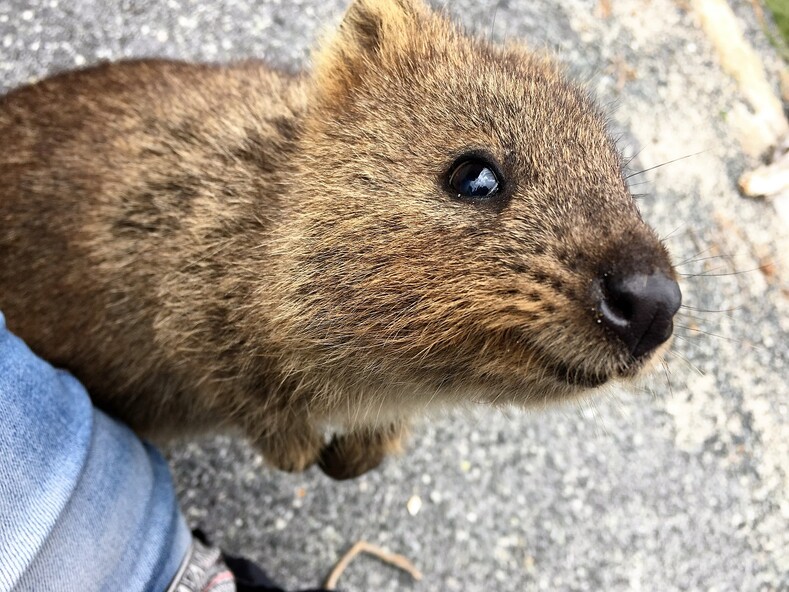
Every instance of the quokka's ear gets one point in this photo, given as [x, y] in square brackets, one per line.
[369, 24]
[369, 31]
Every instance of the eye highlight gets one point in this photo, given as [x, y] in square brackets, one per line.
[475, 178]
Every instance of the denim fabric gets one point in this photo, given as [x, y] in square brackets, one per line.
[84, 504]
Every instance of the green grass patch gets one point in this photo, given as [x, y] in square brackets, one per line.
[780, 10]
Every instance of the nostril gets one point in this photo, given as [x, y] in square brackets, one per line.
[639, 309]
[617, 304]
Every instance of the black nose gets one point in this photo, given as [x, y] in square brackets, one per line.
[640, 309]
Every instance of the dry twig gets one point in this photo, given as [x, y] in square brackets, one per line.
[394, 559]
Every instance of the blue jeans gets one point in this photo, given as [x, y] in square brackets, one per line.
[84, 504]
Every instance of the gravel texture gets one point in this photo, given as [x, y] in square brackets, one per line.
[681, 484]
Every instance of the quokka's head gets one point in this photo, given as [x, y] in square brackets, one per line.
[460, 220]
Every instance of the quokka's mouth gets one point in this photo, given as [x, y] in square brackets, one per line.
[588, 378]
[577, 377]
[562, 372]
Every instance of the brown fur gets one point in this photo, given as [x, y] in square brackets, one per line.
[215, 247]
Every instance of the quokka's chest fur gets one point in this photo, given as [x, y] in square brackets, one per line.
[422, 218]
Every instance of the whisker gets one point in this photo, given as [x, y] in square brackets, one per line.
[686, 315]
[685, 339]
[710, 334]
[693, 308]
[712, 274]
[672, 232]
[692, 257]
[493, 22]
[699, 260]
[713, 270]
[668, 378]
[632, 158]
[665, 163]
[688, 362]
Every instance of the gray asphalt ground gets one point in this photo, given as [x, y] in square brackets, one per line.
[679, 485]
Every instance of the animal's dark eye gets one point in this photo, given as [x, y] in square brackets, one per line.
[474, 178]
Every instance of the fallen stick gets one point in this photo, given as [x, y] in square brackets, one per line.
[394, 559]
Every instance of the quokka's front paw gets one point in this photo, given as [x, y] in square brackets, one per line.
[342, 459]
[293, 454]
[353, 454]
[293, 462]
